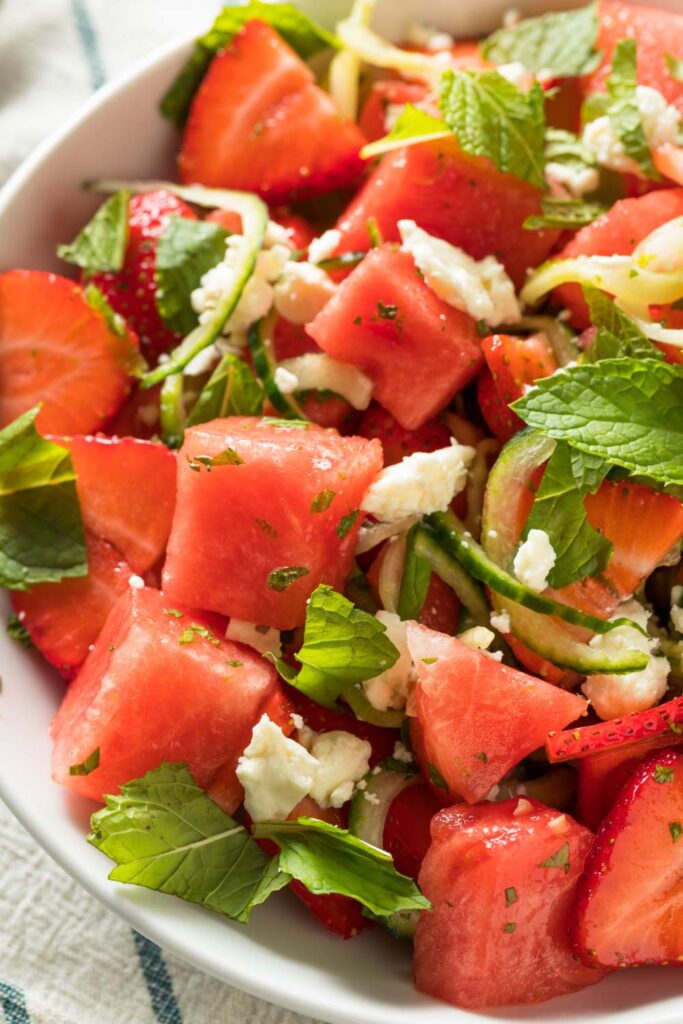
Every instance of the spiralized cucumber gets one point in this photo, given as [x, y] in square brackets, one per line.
[264, 364]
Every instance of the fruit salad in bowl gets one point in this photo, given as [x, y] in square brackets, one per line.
[341, 484]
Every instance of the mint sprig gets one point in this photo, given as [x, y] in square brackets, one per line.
[617, 335]
[185, 251]
[623, 110]
[562, 43]
[101, 245]
[231, 390]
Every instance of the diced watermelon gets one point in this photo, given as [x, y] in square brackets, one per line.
[159, 685]
[65, 619]
[656, 32]
[463, 199]
[418, 350]
[242, 523]
[260, 123]
[479, 718]
[501, 879]
[126, 490]
[385, 94]
[617, 233]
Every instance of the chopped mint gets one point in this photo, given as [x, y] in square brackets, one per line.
[229, 457]
[563, 44]
[436, 776]
[322, 501]
[280, 579]
[385, 312]
[674, 67]
[558, 860]
[663, 774]
[101, 245]
[264, 525]
[174, 613]
[510, 896]
[676, 830]
[91, 762]
[18, 632]
[482, 757]
[510, 927]
[185, 251]
[346, 523]
[189, 635]
[564, 214]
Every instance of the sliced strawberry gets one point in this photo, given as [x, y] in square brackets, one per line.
[336, 913]
[644, 525]
[628, 904]
[132, 290]
[64, 619]
[514, 363]
[58, 350]
[406, 829]
[665, 720]
[397, 442]
[501, 879]
[260, 123]
[441, 610]
[299, 231]
[329, 411]
[322, 719]
[126, 489]
[391, 93]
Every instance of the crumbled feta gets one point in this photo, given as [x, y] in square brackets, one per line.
[481, 288]
[264, 639]
[316, 371]
[202, 362]
[534, 560]
[661, 124]
[478, 637]
[402, 754]
[276, 234]
[574, 179]
[617, 695]
[301, 292]
[429, 38]
[516, 74]
[275, 771]
[325, 246]
[422, 483]
[297, 721]
[257, 297]
[344, 760]
[286, 381]
[677, 609]
[372, 798]
[136, 582]
[501, 621]
[391, 688]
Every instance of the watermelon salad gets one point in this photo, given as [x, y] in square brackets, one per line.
[340, 480]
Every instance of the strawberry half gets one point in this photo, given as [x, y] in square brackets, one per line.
[131, 292]
[57, 349]
[567, 744]
[513, 363]
[628, 903]
[260, 123]
[397, 442]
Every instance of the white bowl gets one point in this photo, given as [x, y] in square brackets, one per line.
[282, 956]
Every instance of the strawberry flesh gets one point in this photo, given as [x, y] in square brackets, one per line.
[665, 720]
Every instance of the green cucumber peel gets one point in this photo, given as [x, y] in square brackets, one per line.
[265, 367]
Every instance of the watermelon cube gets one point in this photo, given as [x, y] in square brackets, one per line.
[159, 685]
[267, 510]
[418, 350]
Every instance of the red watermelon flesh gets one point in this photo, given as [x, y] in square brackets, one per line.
[501, 879]
[282, 504]
[154, 689]
[418, 350]
[479, 718]
[462, 199]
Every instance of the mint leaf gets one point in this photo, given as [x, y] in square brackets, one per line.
[626, 411]
[558, 509]
[617, 334]
[89, 765]
[18, 632]
[41, 533]
[558, 860]
[566, 148]
[624, 112]
[185, 251]
[164, 833]
[281, 579]
[565, 214]
[342, 646]
[328, 859]
[674, 66]
[562, 43]
[101, 245]
[302, 34]
[230, 391]
[492, 118]
[413, 125]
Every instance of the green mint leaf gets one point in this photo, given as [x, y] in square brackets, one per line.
[562, 43]
[89, 765]
[385, 312]
[558, 509]
[343, 646]
[229, 457]
[302, 34]
[674, 66]
[412, 125]
[510, 896]
[164, 833]
[565, 214]
[41, 533]
[566, 148]
[328, 859]
[617, 335]
[346, 523]
[492, 118]
[558, 860]
[662, 774]
[18, 632]
[626, 411]
[417, 574]
[676, 830]
[436, 776]
[186, 250]
[322, 501]
[101, 245]
[280, 579]
[232, 390]
[624, 112]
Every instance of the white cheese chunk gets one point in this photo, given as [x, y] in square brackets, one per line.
[286, 381]
[343, 761]
[426, 37]
[422, 483]
[390, 689]
[480, 288]
[319, 372]
[301, 292]
[501, 621]
[661, 125]
[264, 639]
[257, 297]
[534, 560]
[574, 179]
[275, 771]
[325, 246]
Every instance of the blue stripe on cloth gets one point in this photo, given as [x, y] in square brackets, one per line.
[158, 981]
[88, 38]
[13, 1004]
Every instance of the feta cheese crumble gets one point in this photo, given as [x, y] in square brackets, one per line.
[264, 639]
[319, 372]
[478, 637]
[390, 689]
[343, 760]
[276, 772]
[422, 483]
[286, 381]
[534, 560]
[480, 288]
[301, 291]
[661, 124]
[501, 621]
[325, 246]
[618, 695]
[257, 297]
[575, 180]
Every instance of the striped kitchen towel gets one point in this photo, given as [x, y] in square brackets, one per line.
[64, 959]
